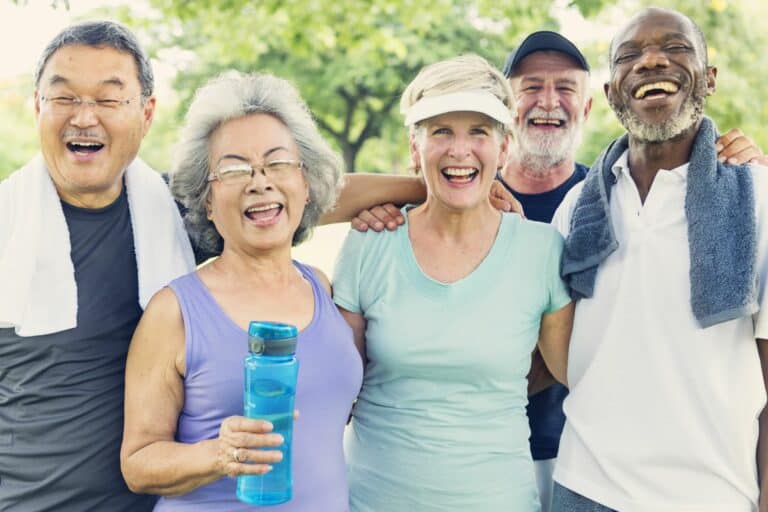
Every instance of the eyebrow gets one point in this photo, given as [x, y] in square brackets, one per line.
[559, 81]
[113, 80]
[670, 36]
[233, 156]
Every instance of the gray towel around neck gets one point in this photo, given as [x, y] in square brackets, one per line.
[722, 232]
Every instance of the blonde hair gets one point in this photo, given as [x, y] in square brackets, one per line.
[463, 73]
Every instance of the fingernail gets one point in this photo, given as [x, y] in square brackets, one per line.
[732, 160]
[378, 225]
[718, 147]
[391, 225]
[276, 438]
[400, 220]
[268, 425]
[721, 159]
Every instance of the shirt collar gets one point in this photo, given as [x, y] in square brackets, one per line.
[621, 167]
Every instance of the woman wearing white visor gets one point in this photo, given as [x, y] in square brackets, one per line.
[446, 313]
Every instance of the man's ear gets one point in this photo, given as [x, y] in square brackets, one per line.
[587, 108]
[711, 80]
[149, 112]
[37, 102]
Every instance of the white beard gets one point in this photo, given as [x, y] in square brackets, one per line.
[540, 152]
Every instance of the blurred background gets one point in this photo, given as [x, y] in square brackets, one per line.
[351, 59]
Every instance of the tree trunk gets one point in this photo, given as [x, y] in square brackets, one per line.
[349, 153]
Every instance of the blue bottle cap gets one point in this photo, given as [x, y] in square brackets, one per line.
[272, 338]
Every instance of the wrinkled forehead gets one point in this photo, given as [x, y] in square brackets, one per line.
[90, 66]
[653, 27]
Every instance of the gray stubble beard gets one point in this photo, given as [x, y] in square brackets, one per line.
[690, 114]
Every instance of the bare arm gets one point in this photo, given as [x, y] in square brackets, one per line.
[364, 191]
[762, 442]
[357, 322]
[539, 376]
[554, 337]
[151, 460]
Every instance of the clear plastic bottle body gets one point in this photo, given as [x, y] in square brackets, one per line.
[270, 389]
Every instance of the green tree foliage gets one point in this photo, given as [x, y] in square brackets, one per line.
[350, 60]
[736, 47]
[18, 136]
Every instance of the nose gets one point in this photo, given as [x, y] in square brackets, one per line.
[651, 58]
[460, 147]
[260, 181]
[548, 98]
[84, 115]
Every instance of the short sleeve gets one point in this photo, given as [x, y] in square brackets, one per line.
[558, 291]
[346, 274]
[562, 218]
[760, 187]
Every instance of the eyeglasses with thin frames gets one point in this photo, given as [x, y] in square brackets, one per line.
[66, 105]
[243, 172]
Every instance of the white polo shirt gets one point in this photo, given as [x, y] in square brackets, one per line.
[662, 415]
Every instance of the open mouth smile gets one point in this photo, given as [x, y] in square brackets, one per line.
[654, 90]
[460, 175]
[546, 122]
[84, 147]
[264, 214]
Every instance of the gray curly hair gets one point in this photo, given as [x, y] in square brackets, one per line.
[231, 96]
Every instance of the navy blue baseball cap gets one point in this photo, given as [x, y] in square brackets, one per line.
[543, 40]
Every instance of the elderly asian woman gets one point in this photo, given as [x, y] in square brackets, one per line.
[255, 175]
[440, 422]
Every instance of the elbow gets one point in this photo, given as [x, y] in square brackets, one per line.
[133, 477]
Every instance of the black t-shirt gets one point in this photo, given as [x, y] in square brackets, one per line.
[545, 408]
[61, 395]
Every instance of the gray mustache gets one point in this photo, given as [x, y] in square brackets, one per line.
[558, 114]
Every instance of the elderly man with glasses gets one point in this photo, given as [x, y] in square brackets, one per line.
[88, 233]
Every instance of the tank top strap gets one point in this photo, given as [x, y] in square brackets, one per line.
[203, 320]
[191, 294]
[323, 299]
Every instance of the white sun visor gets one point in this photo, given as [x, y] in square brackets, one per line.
[483, 102]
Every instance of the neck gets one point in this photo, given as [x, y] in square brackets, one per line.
[90, 200]
[524, 179]
[452, 224]
[258, 267]
[646, 158]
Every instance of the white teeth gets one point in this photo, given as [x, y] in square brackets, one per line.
[454, 171]
[254, 209]
[664, 86]
[87, 144]
[556, 122]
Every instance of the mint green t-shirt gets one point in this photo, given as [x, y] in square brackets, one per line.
[440, 422]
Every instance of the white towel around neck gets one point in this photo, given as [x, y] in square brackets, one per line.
[38, 293]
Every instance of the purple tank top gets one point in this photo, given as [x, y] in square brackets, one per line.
[330, 375]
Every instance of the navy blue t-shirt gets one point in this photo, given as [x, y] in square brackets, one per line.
[545, 408]
[61, 394]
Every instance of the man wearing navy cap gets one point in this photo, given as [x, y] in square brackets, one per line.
[550, 79]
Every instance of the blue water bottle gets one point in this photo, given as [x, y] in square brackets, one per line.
[270, 387]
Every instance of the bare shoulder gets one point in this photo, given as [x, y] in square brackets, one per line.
[161, 328]
[322, 278]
